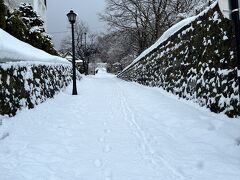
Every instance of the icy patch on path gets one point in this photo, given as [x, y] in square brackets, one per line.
[115, 130]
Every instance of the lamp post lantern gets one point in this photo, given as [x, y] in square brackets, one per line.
[72, 19]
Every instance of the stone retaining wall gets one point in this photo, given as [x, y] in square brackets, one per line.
[26, 85]
[198, 62]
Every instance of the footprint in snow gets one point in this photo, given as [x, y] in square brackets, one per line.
[108, 175]
[237, 140]
[107, 131]
[107, 149]
[101, 139]
[97, 163]
[200, 165]
[211, 127]
[5, 135]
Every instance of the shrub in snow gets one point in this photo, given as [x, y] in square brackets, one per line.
[26, 84]
[195, 62]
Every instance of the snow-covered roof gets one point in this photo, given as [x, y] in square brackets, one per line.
[167, 34]
[79, 61]
[12, 49]
[67, 54]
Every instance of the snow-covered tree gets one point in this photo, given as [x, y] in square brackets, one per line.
[147, 20]
[16, 27]
[117, 47]
[26, 25]
[85, 44]
[33, 22]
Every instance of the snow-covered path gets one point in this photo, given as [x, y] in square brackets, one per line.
[116, 130]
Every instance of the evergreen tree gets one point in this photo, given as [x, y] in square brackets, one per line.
[2, 15]
[27, 26]
[16, 27]
[30, 18]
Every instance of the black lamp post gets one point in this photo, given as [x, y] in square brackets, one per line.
[72, 19]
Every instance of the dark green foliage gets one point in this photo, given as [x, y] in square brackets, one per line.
[27, 26]
[42, 42]
[2, 15]
[30, 18]
[16, 27]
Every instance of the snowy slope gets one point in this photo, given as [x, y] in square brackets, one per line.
[12, 49]
[115, 130]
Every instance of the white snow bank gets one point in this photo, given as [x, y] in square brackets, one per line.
[15, 50]
[167, 34]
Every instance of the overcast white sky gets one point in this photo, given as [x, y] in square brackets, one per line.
[57, 23]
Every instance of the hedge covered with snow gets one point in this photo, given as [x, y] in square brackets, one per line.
[26, 84]
[196, 62]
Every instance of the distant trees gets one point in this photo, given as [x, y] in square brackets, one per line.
[81, 30]
[116, 47]
[136, 24]
[85, 44]
[146, 20]
[2, 15]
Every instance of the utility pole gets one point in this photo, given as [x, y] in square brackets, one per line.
[86, 54]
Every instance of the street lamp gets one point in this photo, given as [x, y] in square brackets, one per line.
[72, 19]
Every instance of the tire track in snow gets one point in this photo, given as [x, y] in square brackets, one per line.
[148, 151]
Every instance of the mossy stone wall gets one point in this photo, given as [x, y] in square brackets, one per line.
[198, 62]
[29, 85]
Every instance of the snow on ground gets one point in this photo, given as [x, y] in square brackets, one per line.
[12, 49]
[116, 130]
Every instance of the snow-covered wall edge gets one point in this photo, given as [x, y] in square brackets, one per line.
[196, 62]
[27, 84]
[12, 49]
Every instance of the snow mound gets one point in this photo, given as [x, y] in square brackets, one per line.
[12, 49]
[167, 34]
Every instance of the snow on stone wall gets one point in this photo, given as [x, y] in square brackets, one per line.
[26, 84]
[197, 62]
[12, 49]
